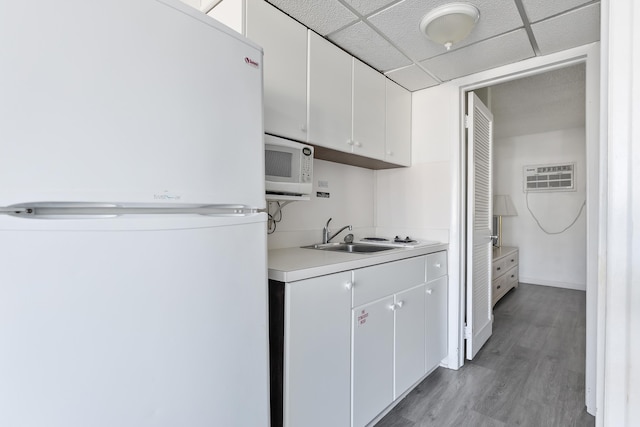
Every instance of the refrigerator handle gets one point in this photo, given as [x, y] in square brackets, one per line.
[12, 211]
[78, 210]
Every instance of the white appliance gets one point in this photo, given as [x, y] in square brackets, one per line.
[133, 276]
[288, 169]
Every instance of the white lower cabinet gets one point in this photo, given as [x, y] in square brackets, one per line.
[409, 339]
[372, 364]
[388, 335]
[344, 346]
[435, 322]
[317, 349]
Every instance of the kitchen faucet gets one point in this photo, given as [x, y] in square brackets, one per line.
[326, 237]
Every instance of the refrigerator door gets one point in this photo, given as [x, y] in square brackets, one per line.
[132, 102]
[134, 321]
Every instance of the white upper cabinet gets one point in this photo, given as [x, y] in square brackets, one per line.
[317, 93]
[368, 111]
[285, 68]
[329, 106]
[398, 125]
[284, 42]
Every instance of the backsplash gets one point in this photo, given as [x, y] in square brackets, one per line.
[350, 202]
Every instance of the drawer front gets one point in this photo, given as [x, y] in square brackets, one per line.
[510, 261]
[511, 276]
[504, 264]
[378, 281]
[503, 283]
[436, 265]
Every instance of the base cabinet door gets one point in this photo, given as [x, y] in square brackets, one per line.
[409, 339]
[435, 322]
[372, 364]
[317, 352]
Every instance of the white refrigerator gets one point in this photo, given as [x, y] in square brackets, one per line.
[132, 243]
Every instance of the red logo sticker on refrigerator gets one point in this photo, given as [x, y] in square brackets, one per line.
[251, 62]
[362, 317]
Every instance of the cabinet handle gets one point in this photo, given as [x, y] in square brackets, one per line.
[399, 304]
[512, 260]
[499, 286]
[349, 142]
[358, 144]
[498, 269]
[513, 275]
[348, 285]
[437, 265]
[393, 307]
[389, 153]
[429, 291]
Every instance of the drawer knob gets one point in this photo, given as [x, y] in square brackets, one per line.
[437, 265]
[393, 307]
[348, 285]
[499, 286]
[512, 260]
[429, 291]
[513, 275]
[400, 304]
[498, 269]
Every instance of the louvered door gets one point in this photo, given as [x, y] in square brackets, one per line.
[479, 215]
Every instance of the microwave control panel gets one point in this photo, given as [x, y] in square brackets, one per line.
[307, 164]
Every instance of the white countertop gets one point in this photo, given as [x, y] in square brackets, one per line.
[292, 264]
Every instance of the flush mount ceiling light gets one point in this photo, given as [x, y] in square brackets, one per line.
[450, 23]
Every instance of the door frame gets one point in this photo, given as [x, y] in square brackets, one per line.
[590, 56]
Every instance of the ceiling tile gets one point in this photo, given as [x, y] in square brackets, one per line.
[576, 28]
[323, 17]
[365, 7]
[367, 45]
[502, 50]
[554, 100]
[412, 78]
[537, 10]
[401, 23]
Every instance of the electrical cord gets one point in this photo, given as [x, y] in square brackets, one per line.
[276, 217]
[553, 232]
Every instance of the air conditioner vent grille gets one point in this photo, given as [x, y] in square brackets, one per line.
[551, 177]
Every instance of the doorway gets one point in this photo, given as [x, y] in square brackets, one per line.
[590, 56]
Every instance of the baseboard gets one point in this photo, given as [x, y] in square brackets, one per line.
[542, 282]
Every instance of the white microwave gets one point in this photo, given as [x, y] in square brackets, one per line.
[288, 167]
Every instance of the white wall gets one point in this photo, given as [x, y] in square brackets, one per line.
[552, 260]
[351, 202]
[416, 201]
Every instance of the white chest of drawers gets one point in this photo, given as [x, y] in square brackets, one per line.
[504, 271]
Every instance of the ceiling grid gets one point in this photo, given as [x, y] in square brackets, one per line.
[385, 34]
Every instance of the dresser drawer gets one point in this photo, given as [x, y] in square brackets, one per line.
[502, 284]
[436, 265]
[504, 264]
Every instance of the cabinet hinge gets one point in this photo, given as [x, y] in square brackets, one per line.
[466, 121]
[467, 332]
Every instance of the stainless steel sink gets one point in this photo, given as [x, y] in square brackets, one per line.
[358, 248]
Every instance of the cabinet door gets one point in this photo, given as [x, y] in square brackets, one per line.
[409, 339]
[398, 125]
[368, 111]
[372, 361]
[317, 351]
[435, 322]
[329, 105]
[284, 41]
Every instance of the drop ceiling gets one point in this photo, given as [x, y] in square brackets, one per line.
[385, 34]
[544, 102]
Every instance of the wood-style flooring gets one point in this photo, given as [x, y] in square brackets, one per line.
[529, 373]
